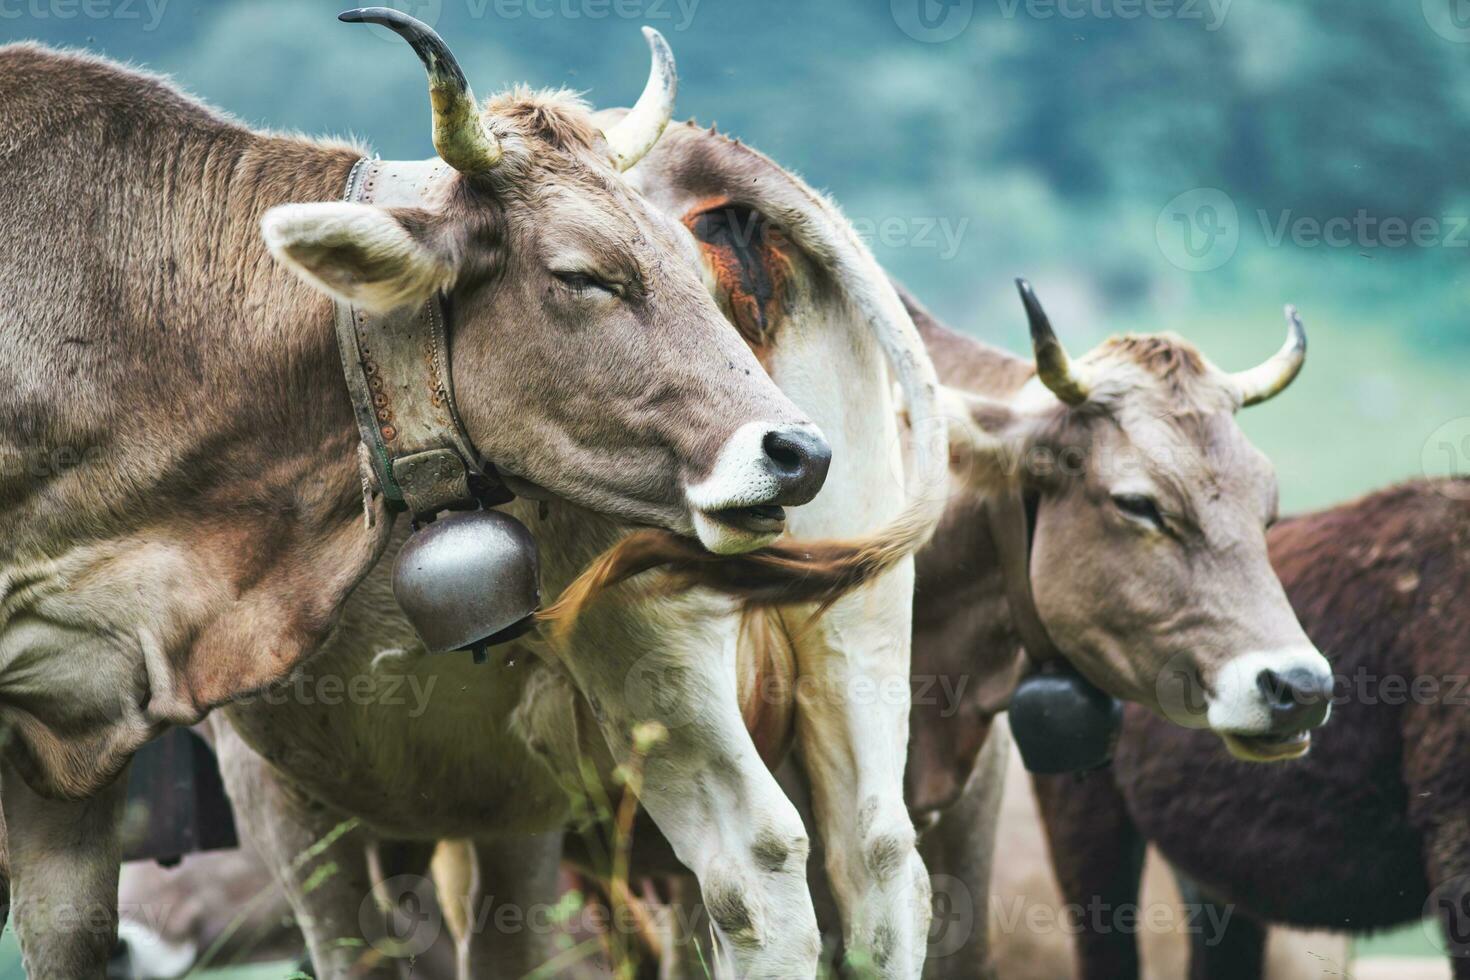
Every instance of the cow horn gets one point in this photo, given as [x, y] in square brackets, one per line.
[1055, 369]
[460, 138]
[1266, 380]
[634, 135]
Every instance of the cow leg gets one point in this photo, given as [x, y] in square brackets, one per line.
[852, 733]
[1238, 952]
[64, 860]
[706, 787]
[1097, 855]
[958, 851]
[687, 950]
[320, 858]
[1447, 866]
[503, 930]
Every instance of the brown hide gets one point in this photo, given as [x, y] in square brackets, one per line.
[193, 389]
[1356, 834]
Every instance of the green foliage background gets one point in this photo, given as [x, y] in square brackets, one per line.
[1050, 135]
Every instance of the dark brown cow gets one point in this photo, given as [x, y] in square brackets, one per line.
[1372, 828]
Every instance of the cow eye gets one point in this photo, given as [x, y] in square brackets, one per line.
[1140, 508]
[582, 282]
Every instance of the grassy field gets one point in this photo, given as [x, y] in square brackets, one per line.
[1407, 941]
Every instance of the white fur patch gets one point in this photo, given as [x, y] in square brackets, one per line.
[151, 955]
[1238, 706]
[741, 476]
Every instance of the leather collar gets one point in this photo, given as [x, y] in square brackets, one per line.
[398, 374]
[1011, 528]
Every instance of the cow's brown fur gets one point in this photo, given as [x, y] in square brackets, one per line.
[1355, 835]
[1159, 409]
[138, 303]
[189, 518]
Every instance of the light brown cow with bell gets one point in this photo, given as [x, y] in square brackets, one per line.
[181, 501]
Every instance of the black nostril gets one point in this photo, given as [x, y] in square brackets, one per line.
[782, 450]
[798, 458]
[1293, 693]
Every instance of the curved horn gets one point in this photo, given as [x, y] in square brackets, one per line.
[635, 134]
[1266, 380]
[460, 139]
[1055, 369]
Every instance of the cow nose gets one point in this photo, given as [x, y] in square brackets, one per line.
[1298, 698]
[797, 458]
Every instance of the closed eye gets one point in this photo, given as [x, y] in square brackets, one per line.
[583, 282]
[1140, 508]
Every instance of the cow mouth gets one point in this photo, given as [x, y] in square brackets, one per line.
[756, 519]
[1268, 748]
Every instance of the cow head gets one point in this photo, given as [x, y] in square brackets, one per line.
[1145, 511]
[590, 361]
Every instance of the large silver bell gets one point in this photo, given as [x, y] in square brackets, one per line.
[469, 580]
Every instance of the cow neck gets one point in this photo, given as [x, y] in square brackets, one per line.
[397, 367]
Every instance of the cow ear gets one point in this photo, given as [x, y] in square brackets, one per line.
[377, 259]
[750, 262]
[983, 437]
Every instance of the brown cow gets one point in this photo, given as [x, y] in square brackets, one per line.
[1147, 560]
[1370, 830]
[1139, 535]
[181, 502]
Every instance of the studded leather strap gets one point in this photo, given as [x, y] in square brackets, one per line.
[397, 367]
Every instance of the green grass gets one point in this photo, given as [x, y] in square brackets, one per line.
[1409, 940]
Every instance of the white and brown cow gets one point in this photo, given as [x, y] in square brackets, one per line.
[181, 503]
[1140, 510]
[501, 753]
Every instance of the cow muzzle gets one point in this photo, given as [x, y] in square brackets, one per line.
[761, 470]
[1265, 705]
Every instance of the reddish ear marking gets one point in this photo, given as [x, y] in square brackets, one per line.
[751, 269]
